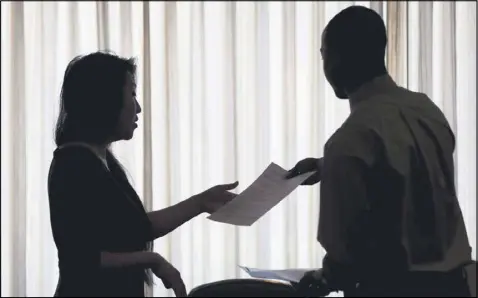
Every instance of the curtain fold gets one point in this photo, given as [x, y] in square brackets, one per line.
[226, 88]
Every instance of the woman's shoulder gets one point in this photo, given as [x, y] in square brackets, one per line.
[75, 156]
[73, 168]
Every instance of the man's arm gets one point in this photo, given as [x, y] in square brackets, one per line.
[342, 206]
[306, 165]
[342, 202]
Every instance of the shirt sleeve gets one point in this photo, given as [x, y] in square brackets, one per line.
[343, 199]
[76, 196]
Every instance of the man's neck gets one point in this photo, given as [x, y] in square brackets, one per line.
[361, 78]
[357, 87]
[373, 85]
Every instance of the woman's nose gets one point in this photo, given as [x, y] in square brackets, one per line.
[138, 107]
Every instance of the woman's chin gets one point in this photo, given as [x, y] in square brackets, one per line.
[128, 136]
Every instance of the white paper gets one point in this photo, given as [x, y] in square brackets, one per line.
[262, 195]
[289, 275]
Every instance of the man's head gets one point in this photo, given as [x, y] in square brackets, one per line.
[353, 49]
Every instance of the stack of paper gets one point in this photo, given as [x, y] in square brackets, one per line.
[289, 275]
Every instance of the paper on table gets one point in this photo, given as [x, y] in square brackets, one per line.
[262, 195]
[289, 275]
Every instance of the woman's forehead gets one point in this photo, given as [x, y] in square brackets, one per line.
[130, 80]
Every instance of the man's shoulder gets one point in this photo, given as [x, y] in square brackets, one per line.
[383, 113]
[355, 141]
[390, 105]
[360, 123]
[362, 132]
[351, 131]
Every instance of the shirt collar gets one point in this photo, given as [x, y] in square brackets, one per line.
[381, 84]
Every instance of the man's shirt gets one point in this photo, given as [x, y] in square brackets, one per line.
[388, 199]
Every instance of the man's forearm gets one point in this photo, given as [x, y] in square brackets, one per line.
[168, 219]
[343, 208]
[141, 259]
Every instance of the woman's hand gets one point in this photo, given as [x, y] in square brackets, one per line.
[166, 220]
[215, 197]
[169, 275]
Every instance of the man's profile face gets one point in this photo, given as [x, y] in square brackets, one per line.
[333, 67]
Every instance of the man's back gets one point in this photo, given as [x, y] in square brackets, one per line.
[412, 221]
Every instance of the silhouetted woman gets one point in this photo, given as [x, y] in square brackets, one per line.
[101, 230]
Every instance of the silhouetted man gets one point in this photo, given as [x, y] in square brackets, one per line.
[389, 216]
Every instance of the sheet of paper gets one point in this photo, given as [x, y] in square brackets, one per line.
[262, 195]
[289, 275]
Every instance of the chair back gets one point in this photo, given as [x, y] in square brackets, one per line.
[244, 288]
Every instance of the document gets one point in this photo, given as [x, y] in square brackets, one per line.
[288, 275]
[261, 196]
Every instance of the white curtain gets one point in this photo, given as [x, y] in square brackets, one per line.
[226, 88]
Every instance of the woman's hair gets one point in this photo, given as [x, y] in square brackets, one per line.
[91, 98]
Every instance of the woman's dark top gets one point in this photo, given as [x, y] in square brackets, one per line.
[94, 210]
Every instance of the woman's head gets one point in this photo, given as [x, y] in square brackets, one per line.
[98, 100]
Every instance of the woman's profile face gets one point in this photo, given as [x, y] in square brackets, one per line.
[129, 113]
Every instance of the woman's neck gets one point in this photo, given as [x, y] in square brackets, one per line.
[100, 150]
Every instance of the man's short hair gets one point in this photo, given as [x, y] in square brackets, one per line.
[357, 30]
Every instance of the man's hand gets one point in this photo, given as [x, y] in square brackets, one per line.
[313, 284]
[307, 165]
[169, 275]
